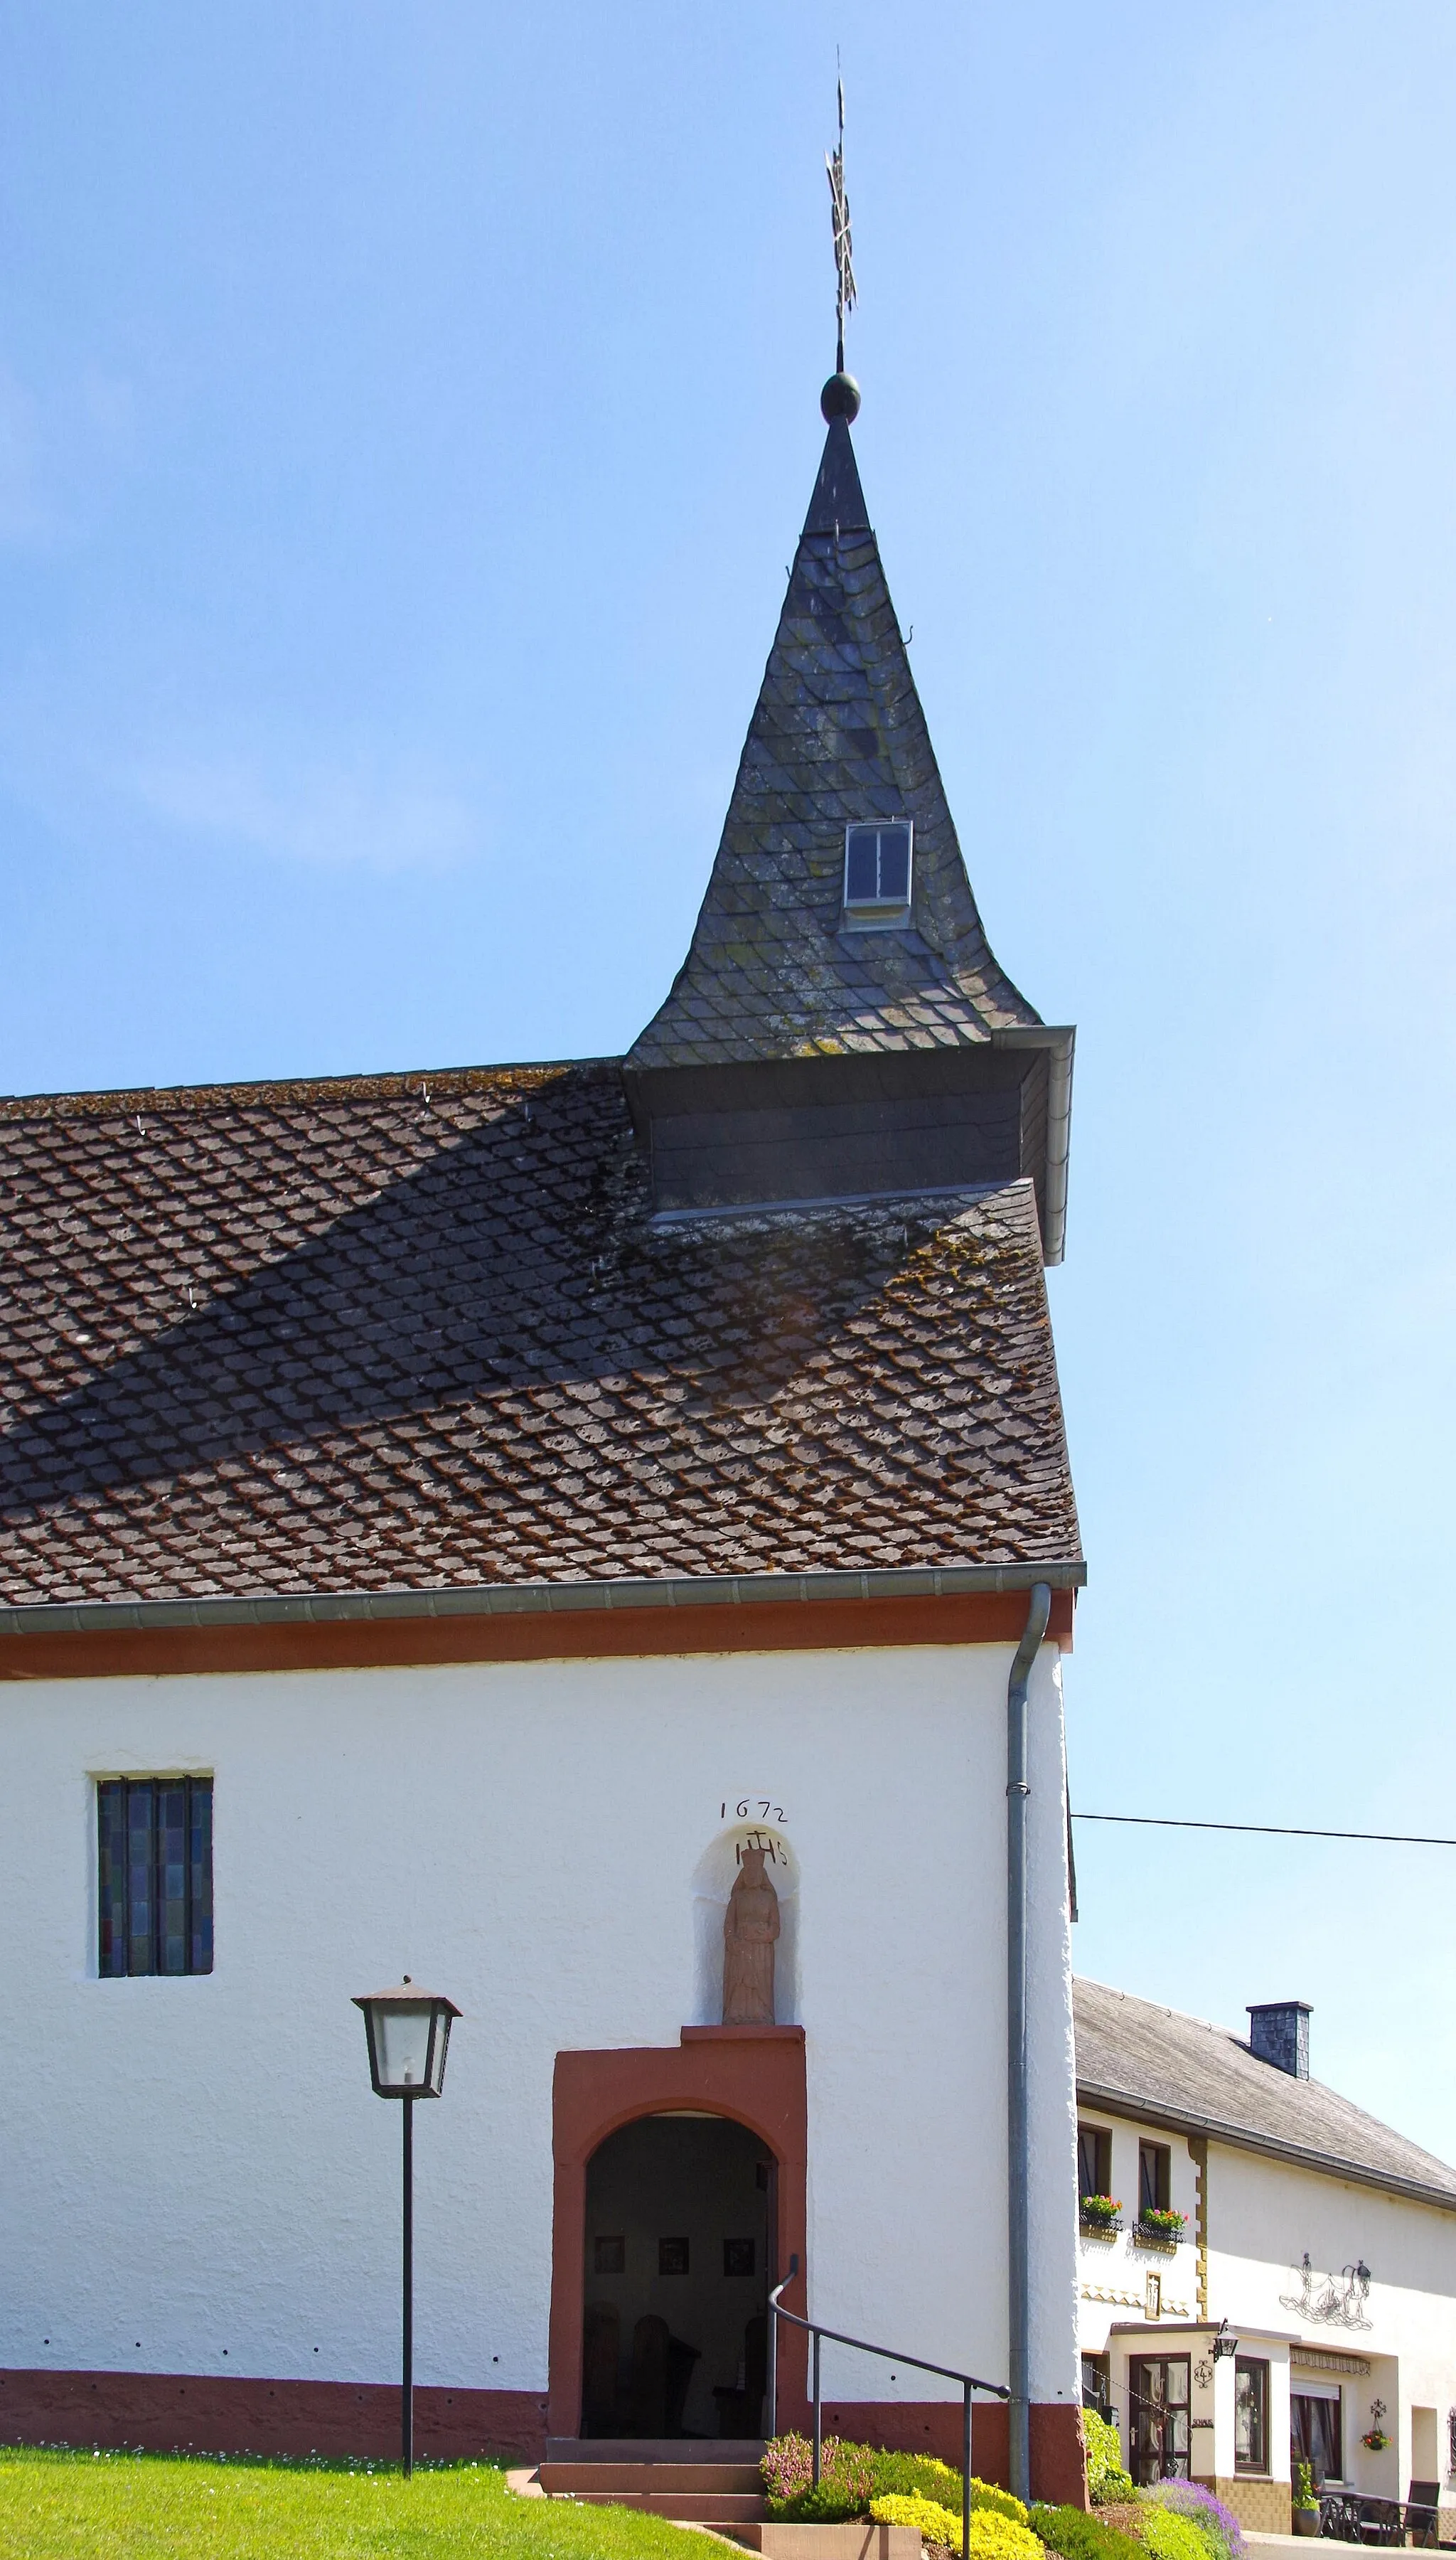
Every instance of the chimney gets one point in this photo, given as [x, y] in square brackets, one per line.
[1278, 2033]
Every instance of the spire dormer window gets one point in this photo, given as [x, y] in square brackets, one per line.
[877, 872]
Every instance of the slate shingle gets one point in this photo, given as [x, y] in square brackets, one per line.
[836, 734]
[420, 1332]
[1158, 2062]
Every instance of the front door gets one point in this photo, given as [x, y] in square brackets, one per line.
[678, 2266]
[1157, 2417]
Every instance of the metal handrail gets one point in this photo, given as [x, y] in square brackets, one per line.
[969, 2382]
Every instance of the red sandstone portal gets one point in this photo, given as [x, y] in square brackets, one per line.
[756, 2075]
[753, 2074]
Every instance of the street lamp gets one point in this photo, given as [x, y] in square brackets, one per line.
[408, 2031]
[1223, 2342]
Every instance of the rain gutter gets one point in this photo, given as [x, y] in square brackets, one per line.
[1188, 2119]
[525, 1599]
[1018, 2054]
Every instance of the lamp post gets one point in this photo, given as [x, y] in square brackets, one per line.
[408, 2031]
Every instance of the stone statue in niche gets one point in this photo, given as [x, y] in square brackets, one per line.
[751, 1927]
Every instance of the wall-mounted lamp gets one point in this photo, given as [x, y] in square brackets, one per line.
[1223, 2342]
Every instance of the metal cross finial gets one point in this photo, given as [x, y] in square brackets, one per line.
[844, 252]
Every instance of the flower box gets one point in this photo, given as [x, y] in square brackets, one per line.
[1101, 2216]
[1161, 2228]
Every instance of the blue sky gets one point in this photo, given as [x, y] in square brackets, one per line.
[406, 413]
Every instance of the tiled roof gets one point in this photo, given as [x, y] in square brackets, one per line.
[428, 1331]
[838, 734]
[1153, 2061]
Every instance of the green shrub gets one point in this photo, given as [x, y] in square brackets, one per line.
[924, 2476]
[998, 2501]
[851, 2474]
[1204, 2510]
[832, 2501]
[1168, 2536]
[916, 2476]
[845, 2480]
[1107, 2482]
[1075, 2536]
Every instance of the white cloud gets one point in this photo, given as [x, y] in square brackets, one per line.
[344, 811]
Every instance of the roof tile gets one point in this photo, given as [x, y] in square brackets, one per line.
[453, 1344]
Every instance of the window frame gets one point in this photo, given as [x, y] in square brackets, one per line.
[878, 909]
[1161, 2156]
[1100, 2138]
[1097, 2385]
[154, 1874]
[1326, 2396]
[1252, 2365]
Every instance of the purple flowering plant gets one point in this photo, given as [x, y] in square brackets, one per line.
[846, 2479]
[1216, 2522]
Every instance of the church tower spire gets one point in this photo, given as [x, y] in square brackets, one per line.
[841, 1026]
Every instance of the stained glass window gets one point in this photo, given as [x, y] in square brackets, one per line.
[155, 1875]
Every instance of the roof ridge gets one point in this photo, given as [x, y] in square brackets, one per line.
[162, 1099]
[1280, 2083]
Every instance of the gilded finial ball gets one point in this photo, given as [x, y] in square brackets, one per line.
[840, 397]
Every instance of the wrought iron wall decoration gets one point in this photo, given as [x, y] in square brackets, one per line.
[1339, 2300]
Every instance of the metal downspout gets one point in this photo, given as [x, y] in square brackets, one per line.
[1018, 2111]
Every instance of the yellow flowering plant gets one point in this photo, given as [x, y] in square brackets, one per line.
[993, 2537]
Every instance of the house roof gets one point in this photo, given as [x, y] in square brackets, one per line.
[1136, 2058]
[836, 734]
[425, 1331]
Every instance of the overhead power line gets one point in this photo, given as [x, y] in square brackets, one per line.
[1275, 1831]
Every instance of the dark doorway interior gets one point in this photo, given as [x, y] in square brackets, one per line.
[680, 2218]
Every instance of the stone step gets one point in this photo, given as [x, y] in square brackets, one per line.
[861, 2540]
[654, 2449]
[679, 2507]
[625, 2479]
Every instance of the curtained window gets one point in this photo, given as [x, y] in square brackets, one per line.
[1314, 2435]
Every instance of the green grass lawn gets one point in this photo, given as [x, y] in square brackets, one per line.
[151, 2506]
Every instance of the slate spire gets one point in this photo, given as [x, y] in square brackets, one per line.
[775, 969]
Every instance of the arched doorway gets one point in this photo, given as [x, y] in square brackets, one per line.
[681, 2219]
[753, 2077]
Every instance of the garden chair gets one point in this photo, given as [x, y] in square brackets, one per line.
[1421, 2517]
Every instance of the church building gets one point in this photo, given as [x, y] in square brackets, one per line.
[597, 1539]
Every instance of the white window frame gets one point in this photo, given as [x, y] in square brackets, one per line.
[879, 910]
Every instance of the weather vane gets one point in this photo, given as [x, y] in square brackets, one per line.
[844, 249]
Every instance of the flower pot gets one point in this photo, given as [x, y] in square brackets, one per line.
[1305, 2519]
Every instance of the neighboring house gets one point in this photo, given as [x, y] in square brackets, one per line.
[445, 1519]
[1319, 2240]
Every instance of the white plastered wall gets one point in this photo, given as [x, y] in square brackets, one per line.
[198, 2179]
[1263, 2214]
